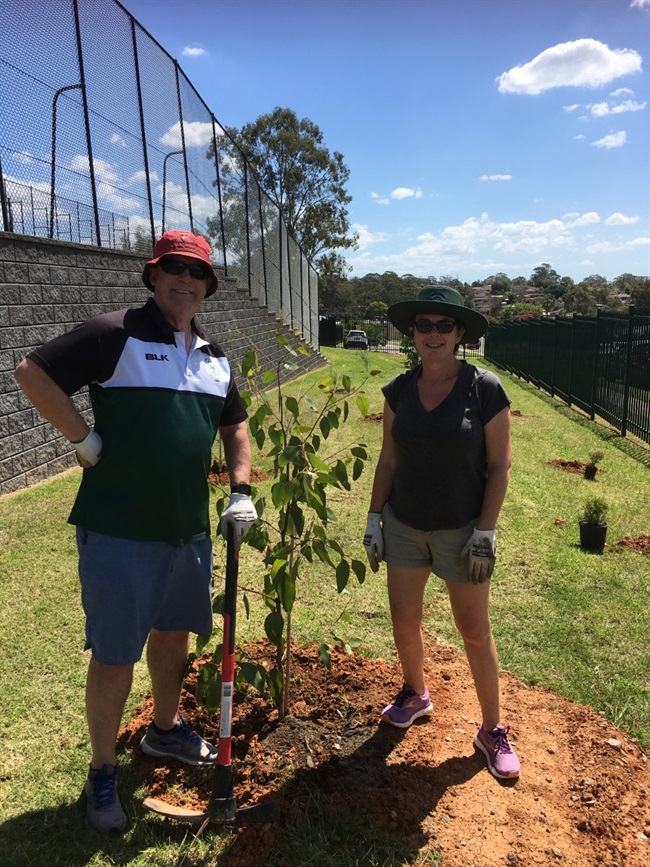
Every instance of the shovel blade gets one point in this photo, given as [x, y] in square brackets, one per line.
[182, 814]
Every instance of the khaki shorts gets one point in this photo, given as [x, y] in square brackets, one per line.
[438, 549]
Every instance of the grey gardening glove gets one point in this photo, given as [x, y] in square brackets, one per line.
[480, 552]
[240, 513]
[373, 541]
[89, 449]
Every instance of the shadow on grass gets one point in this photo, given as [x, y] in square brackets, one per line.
[59, 836]
[358, 809]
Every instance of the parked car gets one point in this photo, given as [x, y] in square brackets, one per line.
[355, 340]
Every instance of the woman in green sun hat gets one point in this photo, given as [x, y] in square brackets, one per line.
[439, 485]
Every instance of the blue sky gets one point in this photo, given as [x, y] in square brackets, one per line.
[481, 135]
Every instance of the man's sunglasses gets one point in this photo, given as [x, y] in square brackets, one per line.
[176, 268]
[426, 326]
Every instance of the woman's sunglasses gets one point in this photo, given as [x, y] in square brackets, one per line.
[426, 326]
[176, 268]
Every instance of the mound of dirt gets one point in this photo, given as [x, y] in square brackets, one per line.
[569, 466]
[583, 798]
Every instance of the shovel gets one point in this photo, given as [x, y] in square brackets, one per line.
[222, 806]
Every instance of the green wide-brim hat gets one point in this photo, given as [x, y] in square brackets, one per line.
[445, 301]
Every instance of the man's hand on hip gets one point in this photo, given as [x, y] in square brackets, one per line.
[89, 449]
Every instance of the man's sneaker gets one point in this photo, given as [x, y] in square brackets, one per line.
[406, 707]
[501, 758]
[103, 809]
[180, 743]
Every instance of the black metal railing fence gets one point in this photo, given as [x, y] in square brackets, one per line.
[105, 141]
[599, 363]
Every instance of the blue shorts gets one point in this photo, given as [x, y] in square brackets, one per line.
[129, 587]
[438, 549]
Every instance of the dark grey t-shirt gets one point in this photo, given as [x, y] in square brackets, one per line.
[440, 478]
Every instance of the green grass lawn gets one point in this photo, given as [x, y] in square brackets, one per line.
[573, 622]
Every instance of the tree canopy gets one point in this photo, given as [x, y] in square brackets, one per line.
[306, 181]
[363, 297]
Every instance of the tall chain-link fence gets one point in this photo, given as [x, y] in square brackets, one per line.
[105, 141]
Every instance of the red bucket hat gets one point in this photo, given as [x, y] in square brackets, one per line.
[180, 243]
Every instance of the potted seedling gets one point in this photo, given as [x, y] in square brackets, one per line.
[593, 526]
[592, 467]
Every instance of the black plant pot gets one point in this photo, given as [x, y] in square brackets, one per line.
[592, 536]
[590, 471]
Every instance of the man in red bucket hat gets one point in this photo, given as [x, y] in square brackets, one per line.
[160, 389]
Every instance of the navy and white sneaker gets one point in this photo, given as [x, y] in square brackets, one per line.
[103, 809]
[180, 743]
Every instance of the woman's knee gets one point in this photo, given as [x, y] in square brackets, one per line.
[478, 634]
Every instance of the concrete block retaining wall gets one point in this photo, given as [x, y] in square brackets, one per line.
[48, 287]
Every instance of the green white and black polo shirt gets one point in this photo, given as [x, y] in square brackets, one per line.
[157, 409]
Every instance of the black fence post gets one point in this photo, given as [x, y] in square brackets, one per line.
[218, 179]
[628, 369]
[55, 102]
[182, 129]
[143, 133]
[570, 382]
[84, 100]
[248, 229]
[263, 245]
[6, 220]
[594, 366]
[164, 184]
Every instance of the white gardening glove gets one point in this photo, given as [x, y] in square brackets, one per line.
[373, 541]
[89, 449]
[481, 552]
[241, 515]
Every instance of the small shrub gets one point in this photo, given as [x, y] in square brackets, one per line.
[595, 511]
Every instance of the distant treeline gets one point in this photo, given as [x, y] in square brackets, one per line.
[501, 297]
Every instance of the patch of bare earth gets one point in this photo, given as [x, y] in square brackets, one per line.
[583, 797]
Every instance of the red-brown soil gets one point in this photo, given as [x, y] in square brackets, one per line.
[583, 798]
[219, 475]
[569, 466]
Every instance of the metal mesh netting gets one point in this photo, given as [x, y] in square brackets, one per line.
[103, 140]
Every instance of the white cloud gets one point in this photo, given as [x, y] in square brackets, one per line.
[176, 199]
[640, 4]
[23, 157]
[117, 139]
[103, 170]
[579, 137]
[574, 107]
[480, 243]
[583, 63]
[366, 237]
[620, 220]
[141, 177]
[406, 193]
[110, 197]
[613, 140]
[197, 134]
[397, 194]
[573, 220]
[614, 104]
[194, 51]
[495, 178]
[608, 247]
